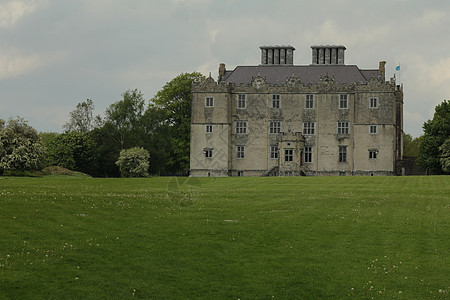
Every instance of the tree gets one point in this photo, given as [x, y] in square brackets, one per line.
[20, 146]
[407, 138]
[436, 132]
[108, 152]
[156, 138]
[134, 162]
[121, 128]
[411, 145]
[176, 99]
[47, 137]
[124, 117]
[75, 151]
[445, 155]
[81, 118]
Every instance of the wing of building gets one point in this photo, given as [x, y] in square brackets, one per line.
[281, 119]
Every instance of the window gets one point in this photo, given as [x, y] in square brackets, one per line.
[343, 127]
[241, 127]
[273, 152]
[288, 154]
[240, 151]
[209, 101]
[373, 102]
[343, 101]
[240, 173]
[308, 154]
[373, 129]
[241, 101]
[275, 101]
[288, 173]
[308, 128]
[208, 152]
[373, 154]
[209, 128]
[274, 127]
[309, 101]
[341, 173]
[342, 153]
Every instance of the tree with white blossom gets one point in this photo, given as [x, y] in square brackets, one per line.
[134, 162]
[20, 146]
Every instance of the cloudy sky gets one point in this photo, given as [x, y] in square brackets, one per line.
[57, 53]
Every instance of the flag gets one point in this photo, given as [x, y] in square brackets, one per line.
[398, 68]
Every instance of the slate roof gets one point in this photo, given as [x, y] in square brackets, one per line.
[277, 74]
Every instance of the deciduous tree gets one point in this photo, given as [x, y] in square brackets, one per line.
[124, 118]
[20, 146]
[156, 138]
[436, 132]
[445, 155]
[47, 137]
[81, 118]
[411, 145]
[75, 151]
[176, 99]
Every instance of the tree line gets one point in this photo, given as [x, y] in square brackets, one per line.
[139, 139]
[156, 133]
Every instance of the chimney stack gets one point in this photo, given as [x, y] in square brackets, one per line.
[221, 71]
[328, 55]
[382, 70]
[277, 55]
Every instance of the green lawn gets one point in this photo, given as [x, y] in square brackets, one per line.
[225, 238]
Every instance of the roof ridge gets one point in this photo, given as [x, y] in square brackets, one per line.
[276, 74]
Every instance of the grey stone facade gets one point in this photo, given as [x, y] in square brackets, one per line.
[278, 119]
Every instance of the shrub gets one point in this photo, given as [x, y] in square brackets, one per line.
[20, 147]
[134, 162]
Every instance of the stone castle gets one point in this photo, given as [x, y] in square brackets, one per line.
[281, 119]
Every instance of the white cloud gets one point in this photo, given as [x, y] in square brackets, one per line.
[427, 84]
[13, 63]
[427, 74]
[439, 73]
[101, 48]
[150, 11]
[430, 17]
[330, 32]
[39, 116]
[413, 122]
[190, 2]
[209, 68]
[12, 11]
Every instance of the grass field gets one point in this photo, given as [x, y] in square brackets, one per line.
[225, 238]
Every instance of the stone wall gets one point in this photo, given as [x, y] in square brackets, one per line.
[292, 113]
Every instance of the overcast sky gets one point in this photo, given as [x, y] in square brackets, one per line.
[57, 53]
